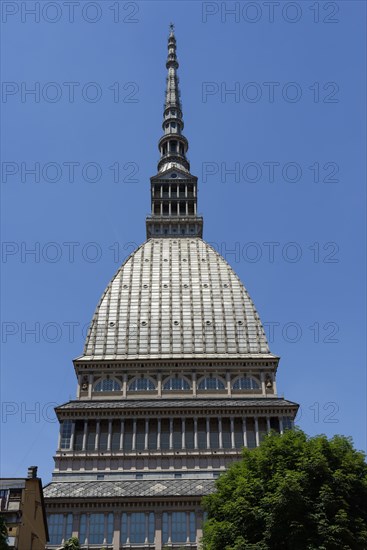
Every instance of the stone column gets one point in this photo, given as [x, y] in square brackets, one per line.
[159, 385]
[80, 377]
[263, 388]
[229, 389]
[98, 429]
[90, 386]
[159, 427]
[257, 435]
[72, 436]
[146, 438]
[171, 433]
[158, 531]
[274, 383]
[183, 433]
[195, 433]
[122, 429]
[208, 433]
[244, 429]
[124, 386]
[109, 435]
[134, 435]
[232, 432]
[220, 430]
[281, 428]
[59, 438]
[194, 384]
[85, 436]
[116, 531]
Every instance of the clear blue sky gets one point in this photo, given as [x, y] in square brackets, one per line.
[300, 93]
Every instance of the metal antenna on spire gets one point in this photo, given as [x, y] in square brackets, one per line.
[172, 27]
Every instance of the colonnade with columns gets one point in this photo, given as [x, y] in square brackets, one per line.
[172, 433]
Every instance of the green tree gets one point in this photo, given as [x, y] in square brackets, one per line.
[3, 535]
[72, 544]
[294, 493]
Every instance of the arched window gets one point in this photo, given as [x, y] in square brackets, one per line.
[210, 384]
[107, 384]
[142, 384]
[246, 383]
[176, 383]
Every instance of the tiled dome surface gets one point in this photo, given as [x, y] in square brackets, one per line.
[175, 298]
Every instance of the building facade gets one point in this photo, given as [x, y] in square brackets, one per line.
[23, 509]
[175, 379]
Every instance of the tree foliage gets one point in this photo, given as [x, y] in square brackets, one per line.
[3, 535]
[72, 544]
[292, 493]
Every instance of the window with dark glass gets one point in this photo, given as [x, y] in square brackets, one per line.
[226, 433]
[246, 383]
[79, 434]
[211, 383]
[107, 384]
[65, 434]
[128, 435]
[202, 433]
[165, 433]
[103, 435]
[140, 434]
[142, 384]
[214, 433]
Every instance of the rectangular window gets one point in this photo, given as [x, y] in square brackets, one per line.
[226, 433]
[152, 435]
[65, 434]
[274, 423]
[109, 528]
[79, 433]
[177, 433]
[140, 435]
[165, 528]
[103, 435]
[137, 528]
[91, 437]
[214, 434]
[262, 428]
[115, 440]
[192, 527]
[238, 433]
[189, 433]
[56, 528]
[287, 423]
[4, 495]
[83, 528]
[151, 528]
[96, 529]
[178, 527]
[251, 437]
[69, 527]
[123, 534]
[202, 433]
[165, 433]
[128, 435]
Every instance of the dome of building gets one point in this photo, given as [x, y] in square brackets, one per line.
[175, 299]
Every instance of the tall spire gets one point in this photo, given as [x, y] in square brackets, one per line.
[174, 188]
[173, 151]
